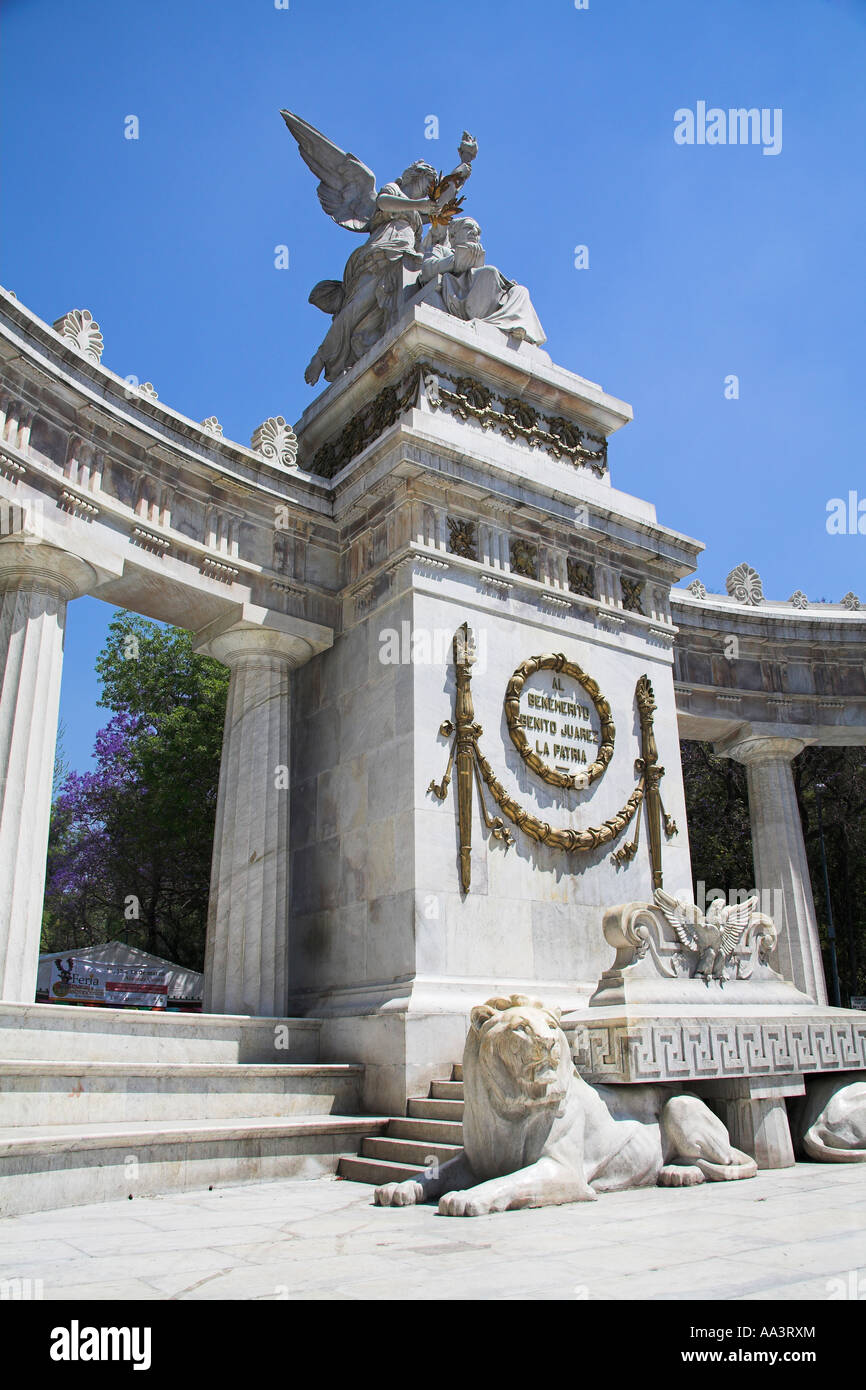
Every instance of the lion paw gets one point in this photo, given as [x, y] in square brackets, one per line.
[462, 1204]
[399, 1194]
[680, 1175]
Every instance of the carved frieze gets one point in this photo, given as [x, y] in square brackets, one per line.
[524, 558]
[469, 399]
[632, 1049]
[632, 594]
[463, 538]
[581, 578]
[516, 419]
[371, 421]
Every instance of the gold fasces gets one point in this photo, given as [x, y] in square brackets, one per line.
[651, 775]
[556, 661]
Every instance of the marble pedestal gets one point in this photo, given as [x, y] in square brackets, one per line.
[745, 1061]
[471, 486]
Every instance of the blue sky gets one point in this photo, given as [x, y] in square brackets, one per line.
[704, 261]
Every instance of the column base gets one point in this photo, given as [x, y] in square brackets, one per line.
[756, 1117]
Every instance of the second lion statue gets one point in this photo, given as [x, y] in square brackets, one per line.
[536, 1134]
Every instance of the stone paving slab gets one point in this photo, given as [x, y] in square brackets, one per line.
[782, 1236]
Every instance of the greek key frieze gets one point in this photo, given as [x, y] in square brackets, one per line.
[650, 1051]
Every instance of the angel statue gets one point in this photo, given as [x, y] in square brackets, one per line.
[367, 300]
[715, 937]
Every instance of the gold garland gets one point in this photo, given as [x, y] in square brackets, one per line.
[569, 840]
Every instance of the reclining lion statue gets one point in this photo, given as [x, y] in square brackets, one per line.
[830, 1123]
[536, 1134]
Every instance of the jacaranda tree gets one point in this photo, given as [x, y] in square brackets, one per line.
[130, 846]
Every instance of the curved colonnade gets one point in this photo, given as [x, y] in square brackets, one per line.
[106, 491]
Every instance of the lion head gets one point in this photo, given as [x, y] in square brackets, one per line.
[521, 1052]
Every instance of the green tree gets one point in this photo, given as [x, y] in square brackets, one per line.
[130, 846]
[717, 807]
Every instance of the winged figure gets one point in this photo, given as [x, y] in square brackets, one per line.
[366, 301]
[714, 937]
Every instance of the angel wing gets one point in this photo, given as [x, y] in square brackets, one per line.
[347, 190]
[733, 922]
[683, 917]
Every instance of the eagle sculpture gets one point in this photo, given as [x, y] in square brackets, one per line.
[714, 937]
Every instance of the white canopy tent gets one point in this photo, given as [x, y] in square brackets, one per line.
[184, 986]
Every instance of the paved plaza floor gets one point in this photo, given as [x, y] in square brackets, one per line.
[799, 1233]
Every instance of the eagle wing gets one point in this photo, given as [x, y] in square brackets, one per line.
[347, 188]
[734, 921]
[683, 917]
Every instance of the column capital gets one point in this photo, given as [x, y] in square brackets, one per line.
[262, 632]
[753, 748]
[35, 564]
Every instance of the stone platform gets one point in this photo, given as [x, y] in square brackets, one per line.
[747, 1063]
[783, 1236]
[676, 1042]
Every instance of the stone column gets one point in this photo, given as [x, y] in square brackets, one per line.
[36, 582]
[246, 956]
[754, 1112]
[780, 856]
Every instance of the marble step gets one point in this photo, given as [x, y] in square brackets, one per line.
[47, 1166]
[61, 1031]
[446, 1090]
[429, 1131]
[34, 1092]
[408, 1151]
[431, 1128]
[378, 1170]
[429, 1109]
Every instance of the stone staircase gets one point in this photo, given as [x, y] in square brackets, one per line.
[103, 1104]
[432, 1129]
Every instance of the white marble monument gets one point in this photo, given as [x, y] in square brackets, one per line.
[461, 664]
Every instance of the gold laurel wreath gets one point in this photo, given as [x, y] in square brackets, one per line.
[556, 661]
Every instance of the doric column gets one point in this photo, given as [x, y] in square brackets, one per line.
[780, 856]
[246, 957]
[36, 582]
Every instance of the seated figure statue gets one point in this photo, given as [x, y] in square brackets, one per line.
[469, 289]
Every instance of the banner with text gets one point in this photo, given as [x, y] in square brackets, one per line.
[75, 981]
